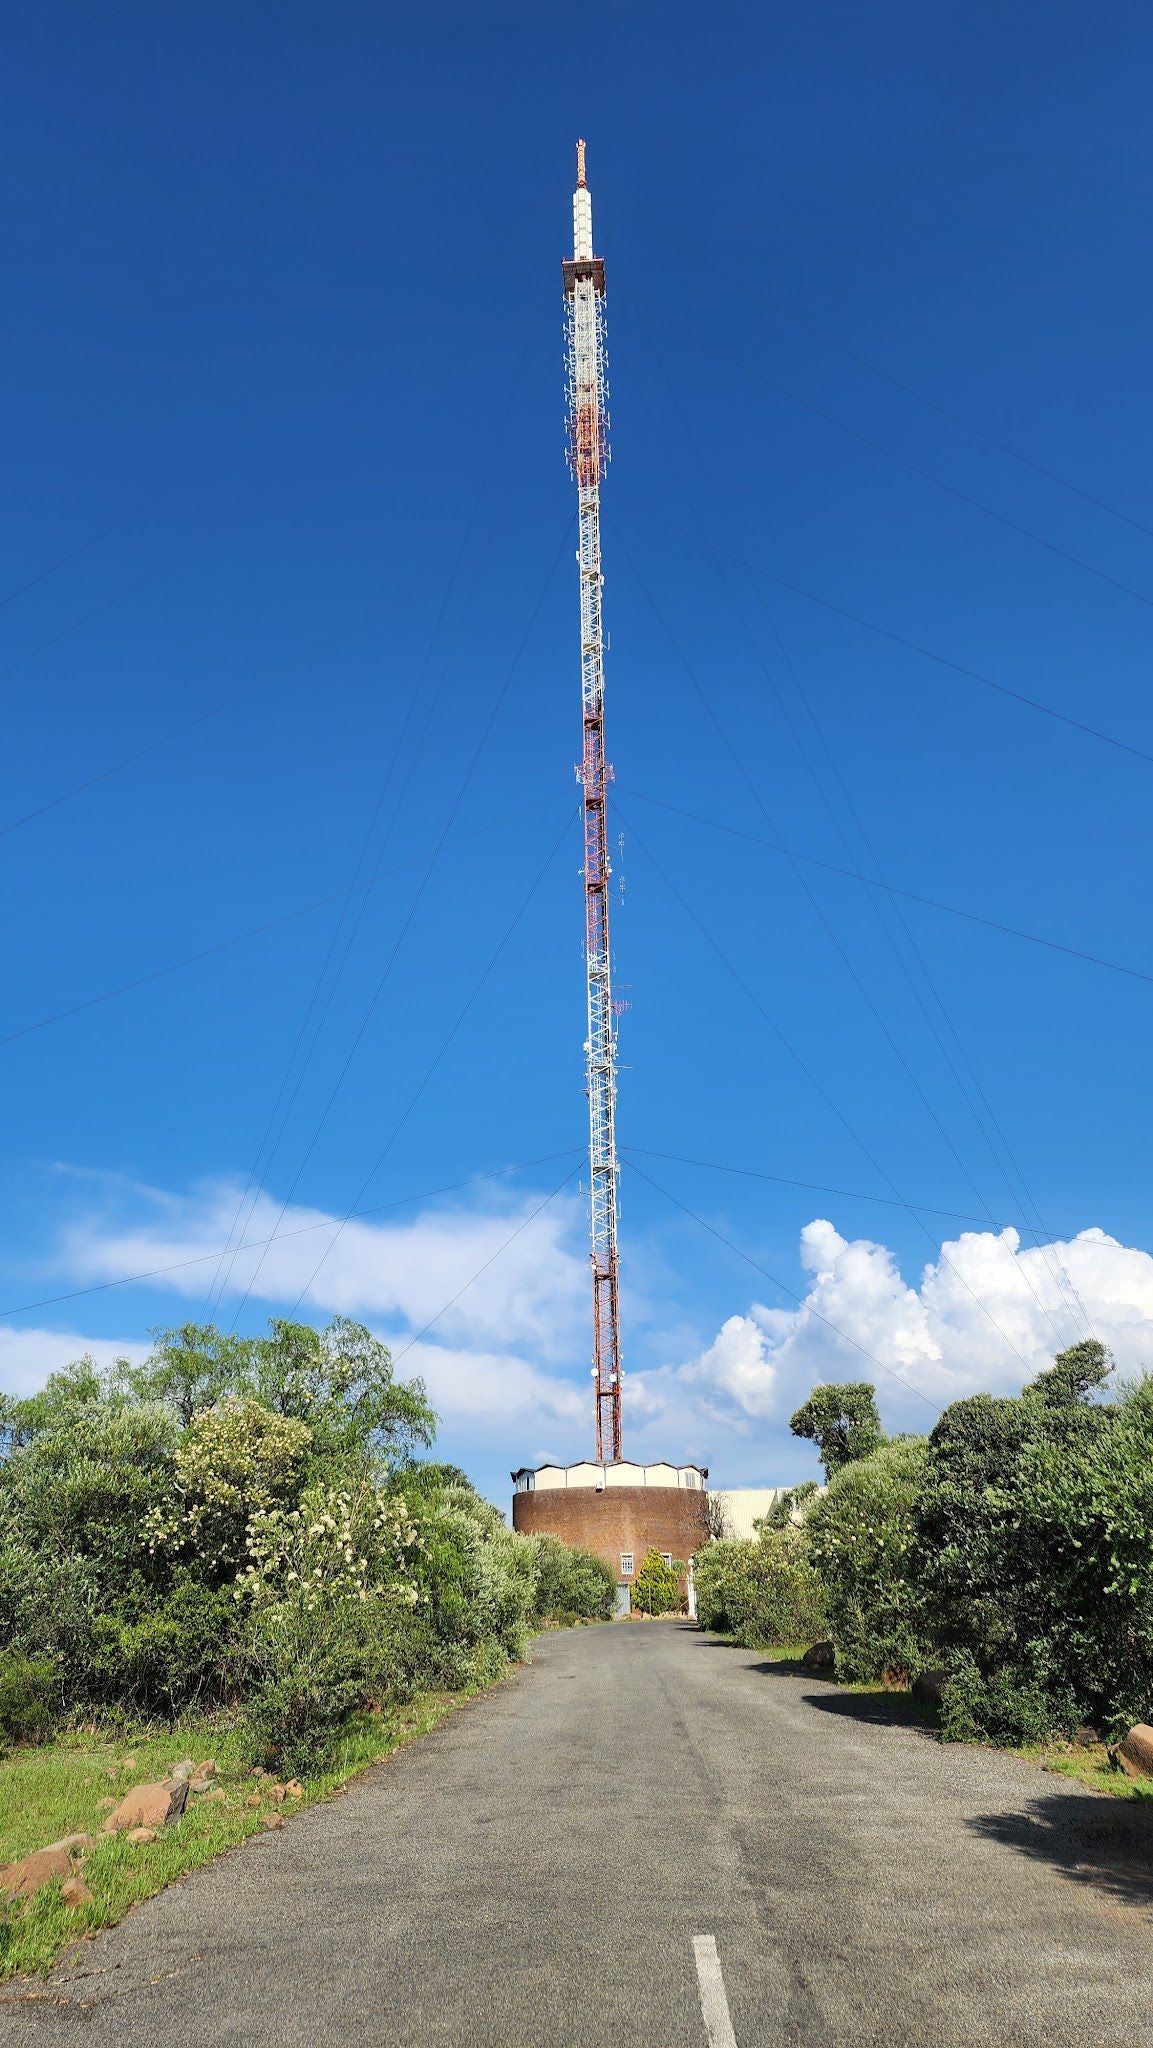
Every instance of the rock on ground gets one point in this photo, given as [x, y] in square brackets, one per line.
[821, 1657]
[24, 1878]
[1136, 1752]
[148, 1806]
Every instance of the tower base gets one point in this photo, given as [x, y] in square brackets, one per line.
[620, 1510]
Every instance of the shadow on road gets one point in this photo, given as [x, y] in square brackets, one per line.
[1104, 1844]
[881, 1708]
[884, 1710]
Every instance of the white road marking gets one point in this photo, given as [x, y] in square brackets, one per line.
[714, 2004]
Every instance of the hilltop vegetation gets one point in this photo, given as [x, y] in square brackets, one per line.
[1012, 1549]
[245, 1524]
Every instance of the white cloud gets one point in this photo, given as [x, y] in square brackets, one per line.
[986, 1316]
[506, 1293]
[518, 1279]
[487, 1302]
[490, 1389]
[28, 1356]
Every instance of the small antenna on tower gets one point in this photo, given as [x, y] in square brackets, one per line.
[580, 165]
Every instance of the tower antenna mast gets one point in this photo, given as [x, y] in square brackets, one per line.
[584, 291]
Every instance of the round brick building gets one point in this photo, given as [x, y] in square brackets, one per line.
[620, 1510]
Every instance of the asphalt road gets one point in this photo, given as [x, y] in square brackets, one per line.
[556, 1863]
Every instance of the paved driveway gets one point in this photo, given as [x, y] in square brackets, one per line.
[647, 1839]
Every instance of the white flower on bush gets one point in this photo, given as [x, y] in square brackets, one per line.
[338, 1545]
[234, 1462]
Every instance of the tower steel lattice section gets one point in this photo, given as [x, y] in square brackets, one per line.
[584, 290]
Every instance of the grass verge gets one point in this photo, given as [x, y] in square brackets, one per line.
[57, 1790]
[1089, 1764]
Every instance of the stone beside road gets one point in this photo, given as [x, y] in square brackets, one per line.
[149, 1806]
[820, 1657]
[1135, 1754]
[139, 1816]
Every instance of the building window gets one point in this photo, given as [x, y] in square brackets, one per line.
[690, 1478]
[626, 1564]
[668, 1557]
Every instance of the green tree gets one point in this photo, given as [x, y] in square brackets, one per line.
[1029, 1557]
[789, 1501]
[657, 1585]
[1074, 1375]
[191, 1368]
[77, 1391]
[572, 1584]
[842, 1421]
[340, 1381]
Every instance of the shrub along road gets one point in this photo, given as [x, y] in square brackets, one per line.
[553, 1865]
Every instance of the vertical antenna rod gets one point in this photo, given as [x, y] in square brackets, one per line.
[584, 290]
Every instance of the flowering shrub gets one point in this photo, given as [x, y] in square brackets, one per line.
[234, 1465]
[242, 1521]
[338, 1544]
[315, 1593]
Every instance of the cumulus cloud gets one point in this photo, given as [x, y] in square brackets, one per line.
[986, 1315]
[492, 1389]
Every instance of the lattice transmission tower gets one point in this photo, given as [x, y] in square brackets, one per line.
[584, 290]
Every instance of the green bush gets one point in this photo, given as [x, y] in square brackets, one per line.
[1085, 1552]
[475, 1586]
[656, 1588]
[243, 1519]
[572, 1584]
[298, 1701]
[1033, 1553]
[1014, 1547]
[29, 1697]
[861, 1536]
[163, 1651]
[761, 1591]
[998, 1707]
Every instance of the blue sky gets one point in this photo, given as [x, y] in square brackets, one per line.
[290, 602]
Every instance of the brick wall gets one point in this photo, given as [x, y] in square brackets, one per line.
[636, 1518]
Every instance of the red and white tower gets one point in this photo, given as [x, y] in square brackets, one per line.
[584, 290]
